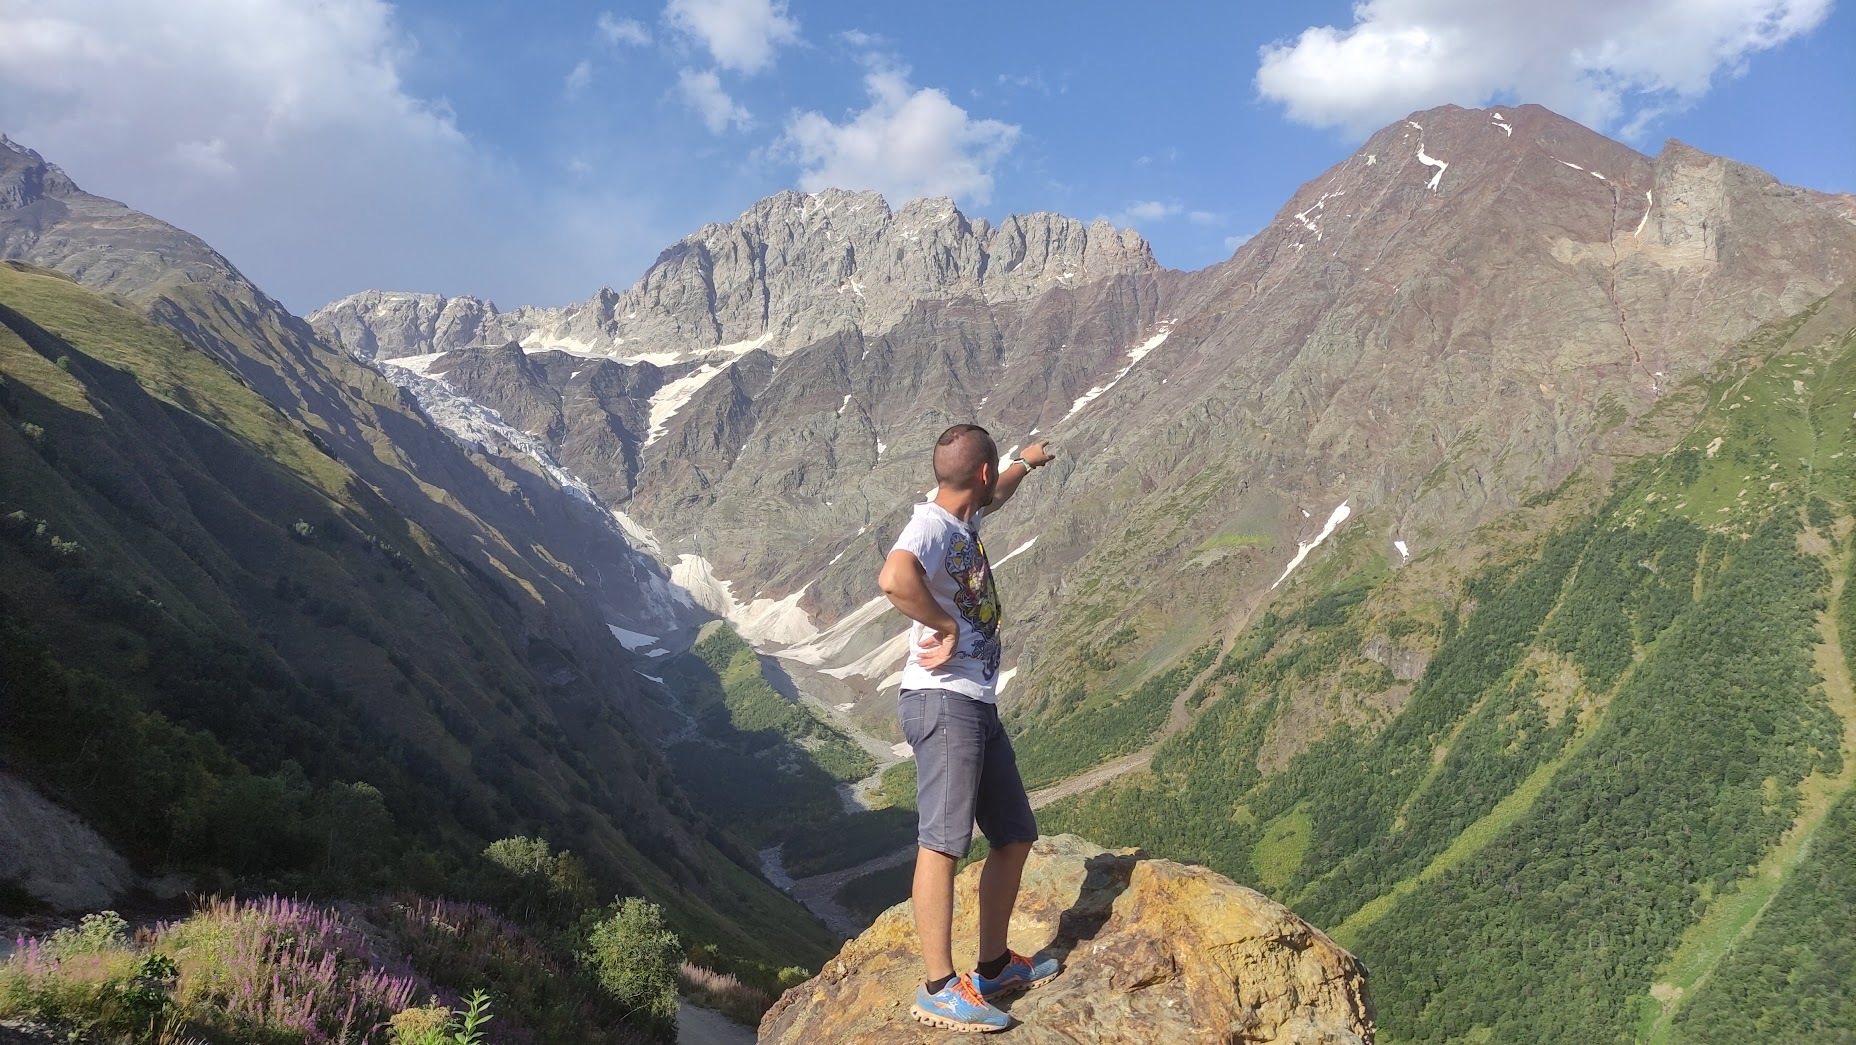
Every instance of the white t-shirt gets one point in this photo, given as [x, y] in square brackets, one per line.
[960, 579]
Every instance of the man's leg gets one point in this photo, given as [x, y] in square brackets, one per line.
[998, 895]
[947, 732]
[934, 910]
[1004, 813]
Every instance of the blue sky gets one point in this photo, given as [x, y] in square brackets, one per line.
[533, 152]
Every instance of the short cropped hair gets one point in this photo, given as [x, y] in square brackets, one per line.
[960, 452]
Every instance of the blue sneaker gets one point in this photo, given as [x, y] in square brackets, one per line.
[958, 1007]
[1019, 973]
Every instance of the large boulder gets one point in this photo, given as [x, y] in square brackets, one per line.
[1154, 952]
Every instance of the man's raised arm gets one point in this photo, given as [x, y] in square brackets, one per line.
[1037, 455]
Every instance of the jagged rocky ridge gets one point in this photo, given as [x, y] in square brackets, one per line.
[794, 268]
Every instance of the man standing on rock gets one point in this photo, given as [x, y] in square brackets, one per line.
[938, 576]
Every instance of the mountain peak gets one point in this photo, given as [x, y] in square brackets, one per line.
[26, 178]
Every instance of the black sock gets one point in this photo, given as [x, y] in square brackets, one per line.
[993, 968]
[935, 986]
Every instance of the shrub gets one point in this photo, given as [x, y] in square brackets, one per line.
[635, 958]
[726, 994]
[529, 880]
[94, 934]
[436, 1025]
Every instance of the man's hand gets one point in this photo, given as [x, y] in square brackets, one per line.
[936, 648]
[906, 585]
[1037, 455]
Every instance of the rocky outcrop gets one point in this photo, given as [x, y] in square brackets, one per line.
[29, 179]
[54, 856]
[795, 268]
[1153, 951]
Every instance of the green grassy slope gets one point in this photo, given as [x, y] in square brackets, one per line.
[1618, 754]
[236, 658]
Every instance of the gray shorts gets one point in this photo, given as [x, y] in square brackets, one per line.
[965, 771]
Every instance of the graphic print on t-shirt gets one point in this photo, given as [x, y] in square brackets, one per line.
[976, 598]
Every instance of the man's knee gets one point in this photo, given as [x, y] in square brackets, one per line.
[1013, 850]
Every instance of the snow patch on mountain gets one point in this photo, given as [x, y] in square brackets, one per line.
[758, 620]
[666, 401]
[874, 664]
[1432, 161]
[1135, 355]
[832, 641]
[1021, 549]
[1302, 548]
[480, 426]
[632, 640]
[536, 341]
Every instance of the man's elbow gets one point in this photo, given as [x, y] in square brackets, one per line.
[888, 582]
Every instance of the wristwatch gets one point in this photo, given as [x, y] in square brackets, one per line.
[1021, 460]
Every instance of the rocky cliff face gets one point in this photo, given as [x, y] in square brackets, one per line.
[1447, 321]
[794, 268]
[1153, 951]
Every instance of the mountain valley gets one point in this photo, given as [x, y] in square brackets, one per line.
[1463, 564]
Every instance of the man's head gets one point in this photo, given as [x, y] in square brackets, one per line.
[966, 458]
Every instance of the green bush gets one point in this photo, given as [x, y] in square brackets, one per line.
[441, 1026]
[635, 959]
[529, 880]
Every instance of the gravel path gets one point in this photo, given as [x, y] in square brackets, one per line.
[699, 1026]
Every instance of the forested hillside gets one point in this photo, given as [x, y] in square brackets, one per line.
[237, 660]
[1629, 736]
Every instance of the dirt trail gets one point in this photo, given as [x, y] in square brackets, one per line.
[1178, 717]
[699, 1026]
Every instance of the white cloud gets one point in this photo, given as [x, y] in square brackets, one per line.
[1205, 217]
[703, 90]
[741, 35]
[1142, 212]
[863, 40]
[908, 143]
[1598, 61]
[1032, 81]
[578, 79]
[283, 133]
[1151, 210]
[617, 30]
